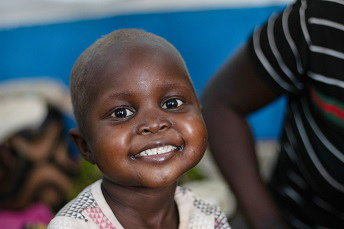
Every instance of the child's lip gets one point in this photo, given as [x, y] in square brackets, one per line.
[157, 148]
[157, 151]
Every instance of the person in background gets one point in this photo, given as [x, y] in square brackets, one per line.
[298, 53]
[37, 168]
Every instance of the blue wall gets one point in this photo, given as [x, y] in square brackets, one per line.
[204, 38]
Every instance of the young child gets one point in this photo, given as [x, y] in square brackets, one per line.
[140, 122]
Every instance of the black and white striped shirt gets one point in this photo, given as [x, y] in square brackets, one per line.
[301, 52]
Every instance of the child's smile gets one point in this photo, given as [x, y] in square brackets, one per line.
[144, 122]
[156, 151]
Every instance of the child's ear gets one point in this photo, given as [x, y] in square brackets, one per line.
[82, 145]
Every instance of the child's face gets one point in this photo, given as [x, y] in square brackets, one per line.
[145, 124]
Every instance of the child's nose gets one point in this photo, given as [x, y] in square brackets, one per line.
[154, 125]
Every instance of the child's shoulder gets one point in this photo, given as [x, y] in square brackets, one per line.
[201, 213]
[74, 211]
[75, 207]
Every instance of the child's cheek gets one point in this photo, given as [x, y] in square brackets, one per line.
[194, 127]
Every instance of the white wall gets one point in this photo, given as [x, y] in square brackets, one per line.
[15, 13]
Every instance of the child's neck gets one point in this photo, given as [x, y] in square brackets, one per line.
[136, 207]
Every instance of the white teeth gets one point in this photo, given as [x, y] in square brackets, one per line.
[159, 150]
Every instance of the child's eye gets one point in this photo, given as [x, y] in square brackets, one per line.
[172, 104]
[122, 113]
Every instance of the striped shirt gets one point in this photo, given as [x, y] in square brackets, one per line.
[301, 52]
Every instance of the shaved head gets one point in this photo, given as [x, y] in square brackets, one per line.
[89, 66]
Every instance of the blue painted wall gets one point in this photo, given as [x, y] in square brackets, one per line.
[205, 39]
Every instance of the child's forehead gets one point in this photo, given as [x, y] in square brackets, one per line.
[128, 58]
[125, 61]
[142, 67]
[142, 50]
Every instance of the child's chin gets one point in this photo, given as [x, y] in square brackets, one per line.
[162, 183]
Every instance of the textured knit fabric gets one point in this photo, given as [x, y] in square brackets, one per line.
[90, 210]
[301, 52]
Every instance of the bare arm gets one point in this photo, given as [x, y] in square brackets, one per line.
[236, 91]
